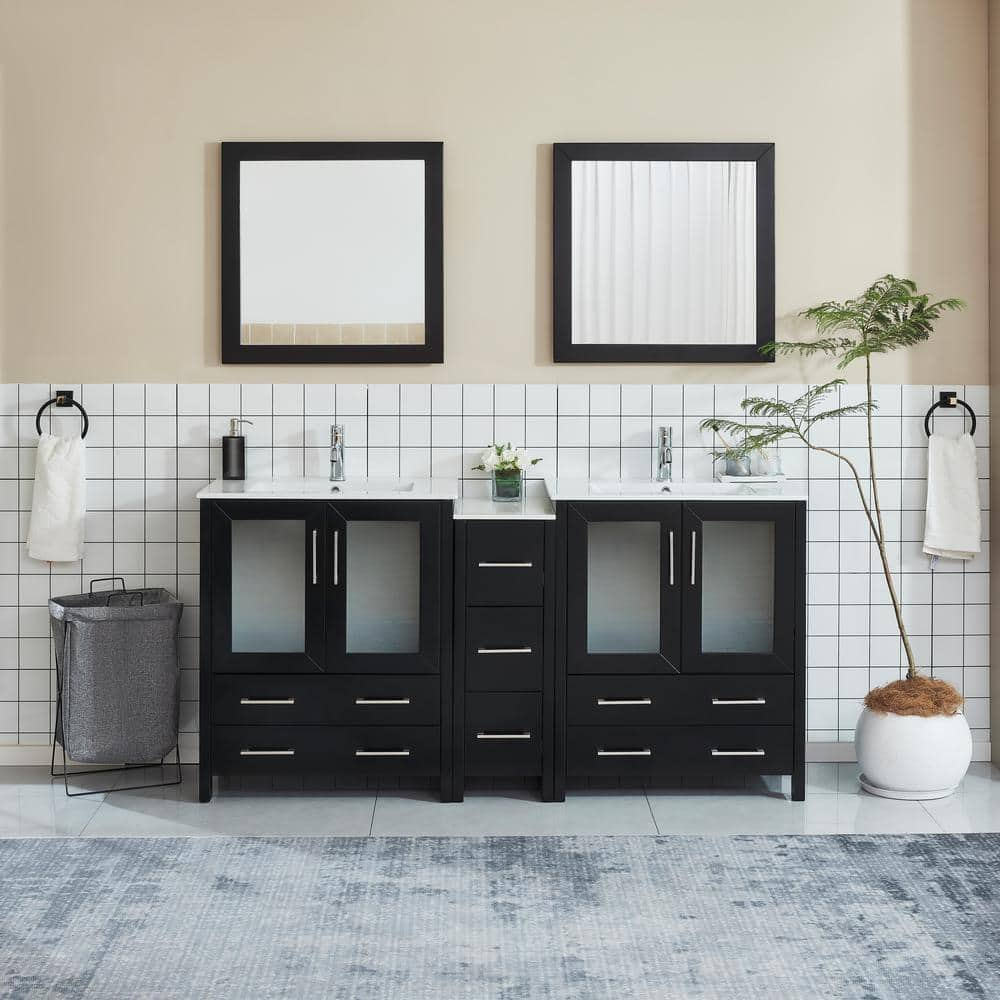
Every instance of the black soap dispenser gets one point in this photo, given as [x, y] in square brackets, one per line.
[234, 451]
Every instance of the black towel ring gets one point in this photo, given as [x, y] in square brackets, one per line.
[63, 398]
[949, 400]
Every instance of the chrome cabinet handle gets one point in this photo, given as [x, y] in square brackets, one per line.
[267, 701]
[505, 565]
[503, 736]
[624, 701]
[694, 548]
[314, 558]
[738, 753]
[671, 558]
[381, 701]
[739, 701]
[645, 752]
[249, 752]
[484, 650]
[381, 753]
[336, 558]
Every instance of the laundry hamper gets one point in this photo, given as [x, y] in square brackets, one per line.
[117, 680]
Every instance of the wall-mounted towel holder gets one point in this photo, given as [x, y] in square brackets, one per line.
[64, 398]
[948, 401]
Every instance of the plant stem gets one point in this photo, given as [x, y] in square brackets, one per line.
[911, 670]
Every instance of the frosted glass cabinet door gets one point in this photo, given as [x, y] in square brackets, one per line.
[267, 587]
[623, 599]
[739, 600]
[383, 568]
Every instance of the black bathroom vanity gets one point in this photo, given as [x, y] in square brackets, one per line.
[385, 633]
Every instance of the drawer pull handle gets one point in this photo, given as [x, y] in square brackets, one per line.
[739, 701]
[624, 701]
[336, 558]
[503, 736]
[503, 565]
[738, 753]
[511, 649]
[694, 550]
[381, 753]
[314, 558]
[381, 701]
[267, 701]
[646, 752]
[250, 752]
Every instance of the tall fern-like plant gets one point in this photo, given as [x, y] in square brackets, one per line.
[888, 316]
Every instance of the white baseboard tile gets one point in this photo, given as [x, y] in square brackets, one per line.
[828, 753]
[816, 753]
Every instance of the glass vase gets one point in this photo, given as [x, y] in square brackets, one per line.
[507, 486]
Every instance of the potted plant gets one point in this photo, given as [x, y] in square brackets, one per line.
[506, 466]
[912, 740]
[739, 457]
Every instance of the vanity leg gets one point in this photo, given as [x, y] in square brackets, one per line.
[799, 783]
[204, 783]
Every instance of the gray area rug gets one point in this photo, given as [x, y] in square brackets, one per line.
[659, 917]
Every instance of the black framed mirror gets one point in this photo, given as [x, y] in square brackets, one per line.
[332, 253]
[663, 252]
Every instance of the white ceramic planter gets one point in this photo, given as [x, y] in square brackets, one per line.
[912, 757]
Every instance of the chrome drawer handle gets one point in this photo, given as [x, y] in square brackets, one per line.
[266, 753]
[267, 701]
[671, 558]
[484, 651]
[625, 753]
[738, 753]
[503, 736]
[739, 701]
[624, 701]
[501, 565]
[381, 701]
[336, 558]
[381, 753]
[314, 558]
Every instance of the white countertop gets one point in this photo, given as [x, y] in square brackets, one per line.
[531, 508]
[319, 488]
[647, 489]
[537, 504]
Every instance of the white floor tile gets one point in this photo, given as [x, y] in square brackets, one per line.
[505, 814]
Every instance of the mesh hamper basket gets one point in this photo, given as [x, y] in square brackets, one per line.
[118, 675]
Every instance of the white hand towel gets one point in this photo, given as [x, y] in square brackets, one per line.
[55, 533]
[952, 527]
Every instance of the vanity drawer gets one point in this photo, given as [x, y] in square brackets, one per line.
[368, 699]
[679, 750]
[503, 733]
[505, 562]
[504, 649]
[365, 750]
[618, 700]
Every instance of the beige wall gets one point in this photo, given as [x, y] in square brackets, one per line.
[112, 111]
[994, 258]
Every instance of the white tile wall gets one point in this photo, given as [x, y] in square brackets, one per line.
[151, 447]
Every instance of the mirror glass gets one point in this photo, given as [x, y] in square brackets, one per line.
[331, 252]
[664, 252]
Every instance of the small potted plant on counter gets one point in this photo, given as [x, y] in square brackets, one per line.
[506, 465]
[748, 457]
[912, 739]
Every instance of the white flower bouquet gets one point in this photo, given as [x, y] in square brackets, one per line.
[506, 465]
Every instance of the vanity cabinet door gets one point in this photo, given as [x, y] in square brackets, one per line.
[267, 587]
[383, 570]
[623, 587]
[739, 587]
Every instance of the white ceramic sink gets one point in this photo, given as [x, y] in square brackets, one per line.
[321, 486]
[652, 488]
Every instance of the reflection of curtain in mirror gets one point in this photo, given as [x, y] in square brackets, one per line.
[664, 252]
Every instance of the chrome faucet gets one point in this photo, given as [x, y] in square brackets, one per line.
[665, 455]
[336, 453]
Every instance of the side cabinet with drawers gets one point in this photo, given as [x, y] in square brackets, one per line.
[681, 640]
[326, 640]
[504, 651]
